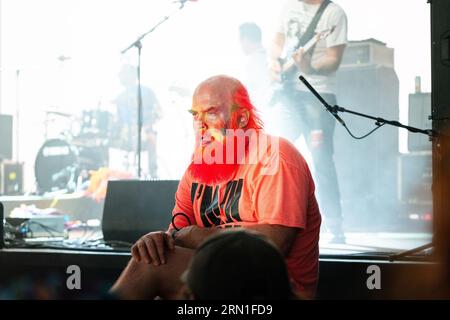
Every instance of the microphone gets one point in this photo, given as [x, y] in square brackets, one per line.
[332, 110]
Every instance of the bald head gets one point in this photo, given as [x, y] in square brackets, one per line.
[224, 82]
[220, 104]
[221, 86]
[230, 96]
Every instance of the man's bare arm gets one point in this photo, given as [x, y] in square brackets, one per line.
[276, 46]
[331, 61]
[282, 236]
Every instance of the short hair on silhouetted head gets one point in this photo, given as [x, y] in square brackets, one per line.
[238, 264]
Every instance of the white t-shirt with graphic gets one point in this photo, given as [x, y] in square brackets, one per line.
[295, 18]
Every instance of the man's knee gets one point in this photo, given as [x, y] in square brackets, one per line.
[143, 280]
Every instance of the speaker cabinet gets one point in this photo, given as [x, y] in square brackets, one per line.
[419, 109]
[440, 101]
[11, 178]
[6, 136]
[366, 53]
[366, 168]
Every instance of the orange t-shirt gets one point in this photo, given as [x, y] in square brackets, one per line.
[277, 189]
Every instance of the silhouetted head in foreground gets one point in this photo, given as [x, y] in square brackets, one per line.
[237, 265]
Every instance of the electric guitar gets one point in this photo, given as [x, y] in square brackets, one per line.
[289, 67]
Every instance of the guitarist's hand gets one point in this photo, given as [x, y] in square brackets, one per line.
[275, 70]
[303, 61]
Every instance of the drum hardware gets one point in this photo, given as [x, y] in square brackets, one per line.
[52, 164]
[60, 124]
[63, 166]
[63, 163]
[96, 122]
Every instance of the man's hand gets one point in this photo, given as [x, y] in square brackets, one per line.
[151, 247]
[191, 236]
[302, 60]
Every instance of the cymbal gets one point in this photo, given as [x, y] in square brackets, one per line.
[59, 113]
[88, 142]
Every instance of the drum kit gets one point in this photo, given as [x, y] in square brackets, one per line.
[63, 162]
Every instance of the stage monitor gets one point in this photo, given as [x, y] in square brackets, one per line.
[135, 207]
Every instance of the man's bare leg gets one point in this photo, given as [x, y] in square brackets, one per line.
[140, 280]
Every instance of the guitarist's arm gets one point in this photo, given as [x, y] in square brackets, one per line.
[275, 52]
[328, 64]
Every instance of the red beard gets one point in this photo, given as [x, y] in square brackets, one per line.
[218, 161]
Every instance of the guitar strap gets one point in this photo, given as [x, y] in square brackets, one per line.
[309, 33]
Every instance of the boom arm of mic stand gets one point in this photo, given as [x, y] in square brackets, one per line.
[332, 110]
[138, 41]
[138, 45]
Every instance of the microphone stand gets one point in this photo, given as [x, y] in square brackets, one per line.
[379, 121]
[138, 44]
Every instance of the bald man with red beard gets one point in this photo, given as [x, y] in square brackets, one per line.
[239, 177]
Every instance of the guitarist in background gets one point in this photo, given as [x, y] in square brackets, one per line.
[302, 113]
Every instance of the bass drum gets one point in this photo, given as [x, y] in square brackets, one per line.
[56, 166]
